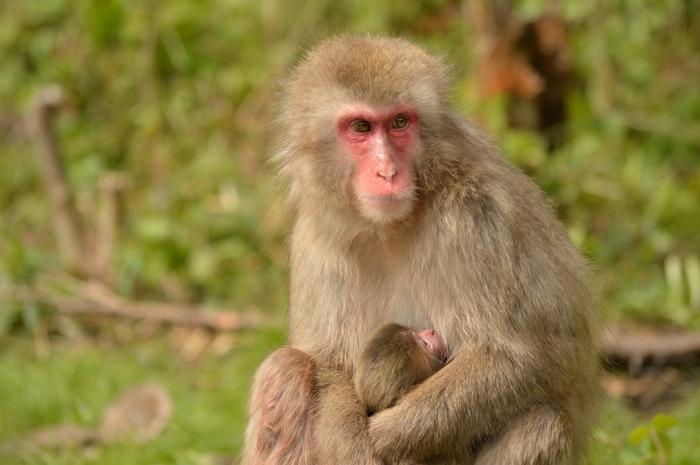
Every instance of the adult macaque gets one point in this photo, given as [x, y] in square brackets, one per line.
[395, 360]
[406, 213]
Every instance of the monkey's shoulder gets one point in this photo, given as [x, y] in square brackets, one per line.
[494, 194]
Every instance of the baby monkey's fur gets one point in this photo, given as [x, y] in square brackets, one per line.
[392, 363]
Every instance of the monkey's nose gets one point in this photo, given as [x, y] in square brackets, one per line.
[387, 173]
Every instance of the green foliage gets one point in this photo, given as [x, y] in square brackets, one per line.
[665, 438]
[75, 384]
[626, 180]
[178, 96]
[650, 442]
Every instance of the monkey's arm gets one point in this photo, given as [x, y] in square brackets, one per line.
[341, 426]
[469, 398]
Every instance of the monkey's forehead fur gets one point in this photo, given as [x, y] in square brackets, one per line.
[374, 70]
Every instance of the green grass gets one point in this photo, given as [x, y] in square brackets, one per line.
[75, 383]
[611, 445]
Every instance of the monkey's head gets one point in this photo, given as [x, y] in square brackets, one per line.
[357, 110]
[394, 360]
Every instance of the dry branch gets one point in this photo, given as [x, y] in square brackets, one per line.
[637, 347]
[66, 222]
[111, 186]
[97, 300]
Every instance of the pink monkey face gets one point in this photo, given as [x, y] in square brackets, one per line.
[382, 145]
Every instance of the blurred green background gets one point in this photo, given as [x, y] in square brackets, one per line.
[176, 99]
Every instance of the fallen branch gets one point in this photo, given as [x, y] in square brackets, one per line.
[632, 347]
[66, 220]
[645, 390]
[111, 186]
[97, 300]
[637, 347]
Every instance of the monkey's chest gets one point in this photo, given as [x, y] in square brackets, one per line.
[419, 302]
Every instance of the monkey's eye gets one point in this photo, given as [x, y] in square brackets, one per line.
[360, 126]
[399, 122]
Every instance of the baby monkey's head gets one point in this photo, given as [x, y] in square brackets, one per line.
[394, 360]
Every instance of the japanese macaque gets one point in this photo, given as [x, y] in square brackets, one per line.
[394, 361]
[407, 213]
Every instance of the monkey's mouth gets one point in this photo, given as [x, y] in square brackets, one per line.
[387, 202]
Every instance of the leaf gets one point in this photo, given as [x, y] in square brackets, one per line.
[639, 434]
[663, 421]
[666, 443]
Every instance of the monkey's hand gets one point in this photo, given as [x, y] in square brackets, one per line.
[467, 400]
[393, 438]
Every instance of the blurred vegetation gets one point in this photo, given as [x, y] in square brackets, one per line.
[177, 96]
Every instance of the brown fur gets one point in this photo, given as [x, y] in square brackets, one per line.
[482, 259]
[391, 364]
[341, 423]
[280, 429]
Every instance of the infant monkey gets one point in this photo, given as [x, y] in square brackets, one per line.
[395, 360]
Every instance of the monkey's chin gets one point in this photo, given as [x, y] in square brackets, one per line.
[384, 209]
